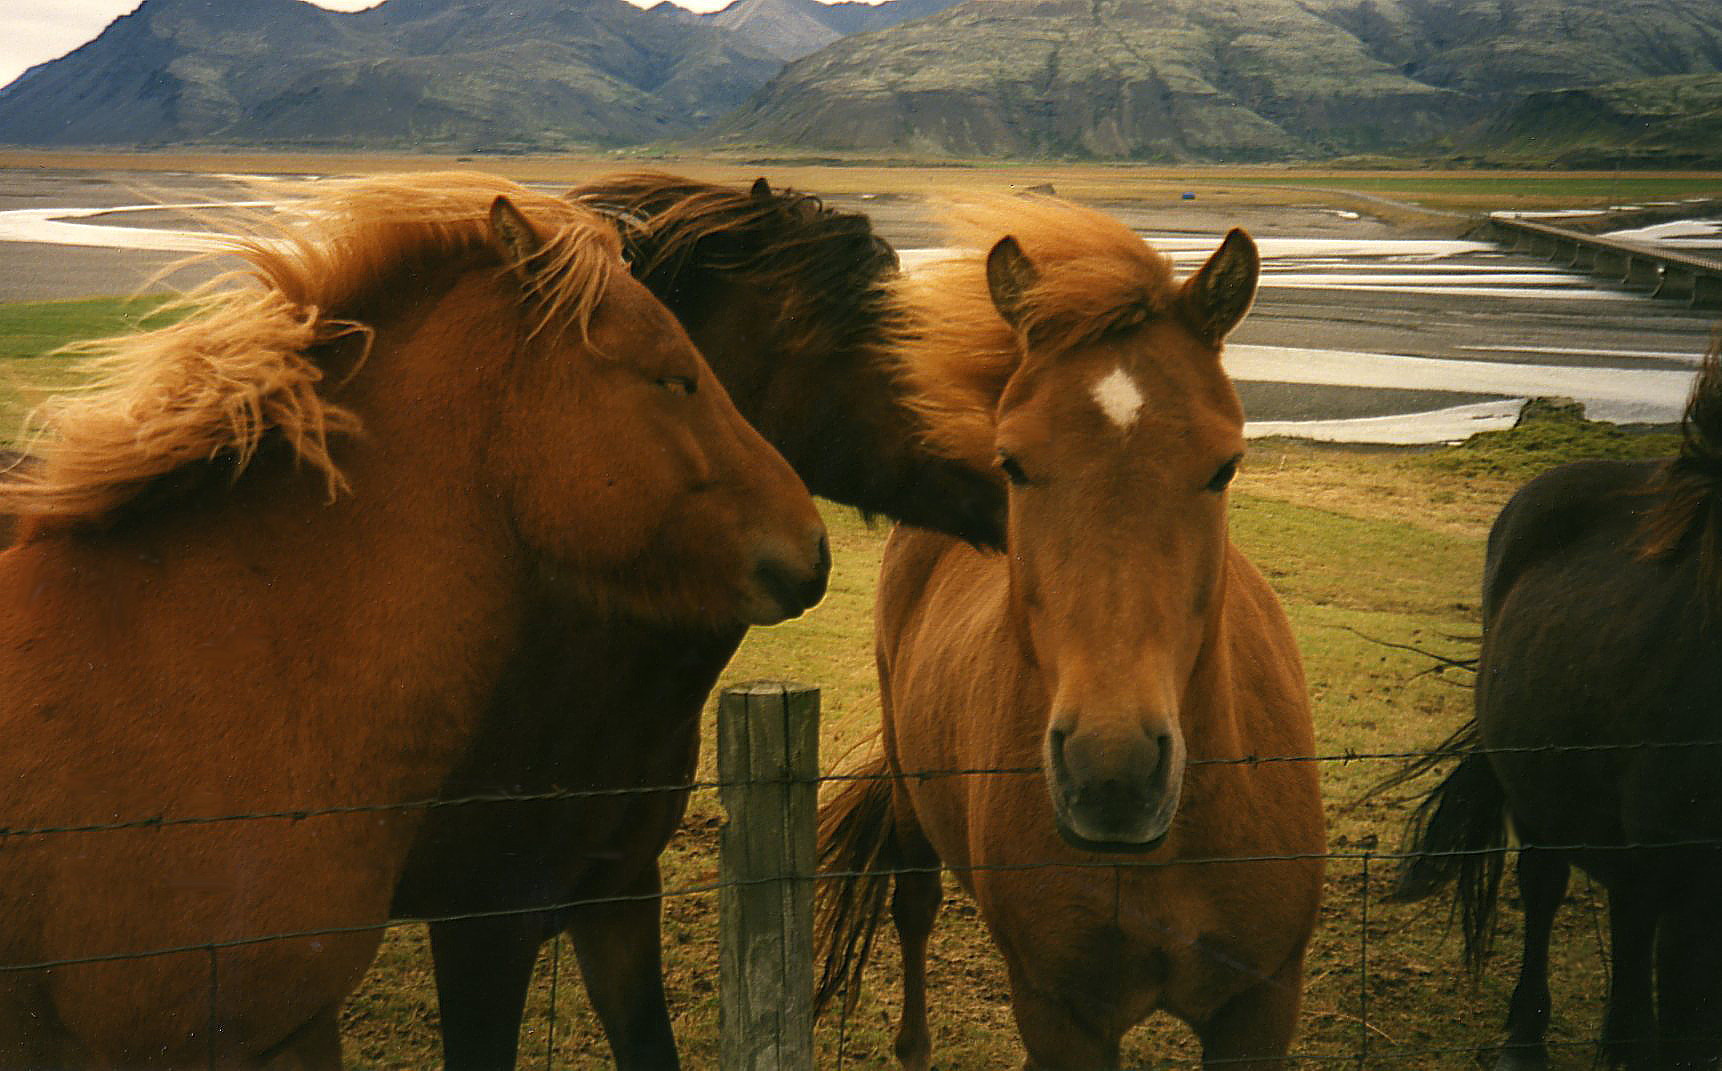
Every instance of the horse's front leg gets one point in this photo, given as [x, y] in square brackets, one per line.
[1060, 1036]
[1253, 1030]
[917, 892]
[1688, 978]
[483, 970]
[1629, 1022]
[914, 907]
[619, 948]
[1543, 884]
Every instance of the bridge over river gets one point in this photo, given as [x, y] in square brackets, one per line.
[1635, 265]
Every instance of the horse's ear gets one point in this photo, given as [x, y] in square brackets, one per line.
[761, 191]
[1217, 296]
[515, 237]
[1010, 274]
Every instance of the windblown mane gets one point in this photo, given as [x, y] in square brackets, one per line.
[242, 361]
[829, 267]
[1688, 489]
[1095, 276]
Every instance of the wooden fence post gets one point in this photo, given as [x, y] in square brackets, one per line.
[768, 768]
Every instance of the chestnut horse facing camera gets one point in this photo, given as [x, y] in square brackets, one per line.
[278, 564]
[790, 302]
[1110, 668]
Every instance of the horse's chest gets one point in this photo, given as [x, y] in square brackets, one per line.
[1103, 935]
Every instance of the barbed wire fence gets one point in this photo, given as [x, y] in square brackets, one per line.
[769, 780]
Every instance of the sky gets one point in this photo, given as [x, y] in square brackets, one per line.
[35, 31]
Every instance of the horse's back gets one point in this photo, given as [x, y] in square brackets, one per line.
[1595, 659]
[1563, 506]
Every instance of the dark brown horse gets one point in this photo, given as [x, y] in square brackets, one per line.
[789, 302]
[1596, 739]
[1123, 650]
[279, 562]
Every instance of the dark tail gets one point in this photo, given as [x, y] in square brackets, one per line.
[1457, 836]
[1691, 505]
[858, 852]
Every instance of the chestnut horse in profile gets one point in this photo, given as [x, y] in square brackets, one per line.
[272, 569]
[1109, 672]
[790, 303]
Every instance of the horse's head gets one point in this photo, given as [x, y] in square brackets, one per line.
[789, 300]
[627, 467]
[1118, 432]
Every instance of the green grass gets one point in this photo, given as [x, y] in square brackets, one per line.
[31, 332]
[1546, 438]
[36, 328]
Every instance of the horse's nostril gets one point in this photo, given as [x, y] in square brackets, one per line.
[1059, 736]
[1153, 756]
[793, 586]
[822, 564]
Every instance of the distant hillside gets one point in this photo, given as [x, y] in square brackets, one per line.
[1166, 79]
[788, 29]
[791, 29]
[1674, 121]
[419, 73]
[1547, 80]
[1498, 50]
[1213, 79]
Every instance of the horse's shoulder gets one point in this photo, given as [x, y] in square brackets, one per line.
[1557, 509]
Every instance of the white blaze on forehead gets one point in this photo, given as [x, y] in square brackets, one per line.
[1118, 397]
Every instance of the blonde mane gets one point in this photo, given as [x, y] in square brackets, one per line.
[241, 361]
[1094, 276]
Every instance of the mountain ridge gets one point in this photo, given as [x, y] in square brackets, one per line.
[1167, 80]
[1212, 79]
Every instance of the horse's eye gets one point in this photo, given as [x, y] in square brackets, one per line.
[679, 384]
[1223, 476]
[1013, 470]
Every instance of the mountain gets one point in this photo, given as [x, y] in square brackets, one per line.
[1168, 79]
[418, 73]
[788, 29]
[1528, 80]
[1670, 122]
[791, 29]
[161, 68]
[854, 17]
[1213, 79]
[1498, 50]
[441, 74]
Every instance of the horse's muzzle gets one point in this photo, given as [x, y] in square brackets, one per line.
[788, 587]
[1114, 791]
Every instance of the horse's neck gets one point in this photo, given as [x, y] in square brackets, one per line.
[836, 413]
[340, 633]
[1250, 679]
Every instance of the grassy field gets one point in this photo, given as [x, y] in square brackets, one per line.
[30, 335]
[1372, 551]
